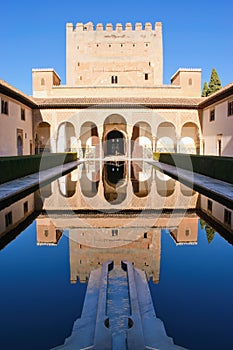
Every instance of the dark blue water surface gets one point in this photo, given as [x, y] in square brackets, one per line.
[194, 297]
[38, 304]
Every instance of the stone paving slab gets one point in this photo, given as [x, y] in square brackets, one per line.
[9, 191]
[218, 190]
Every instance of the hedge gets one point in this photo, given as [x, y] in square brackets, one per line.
[12, 168]
[220, 168]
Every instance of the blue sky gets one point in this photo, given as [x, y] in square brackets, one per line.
[197, 34]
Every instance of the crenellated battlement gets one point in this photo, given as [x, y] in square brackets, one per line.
[121, 54]
[81, 27]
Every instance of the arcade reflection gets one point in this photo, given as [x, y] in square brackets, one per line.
[115, 210]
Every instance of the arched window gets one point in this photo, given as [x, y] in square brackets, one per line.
[42, 82]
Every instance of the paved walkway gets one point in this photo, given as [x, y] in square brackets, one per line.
[218, 190]
[16, 189]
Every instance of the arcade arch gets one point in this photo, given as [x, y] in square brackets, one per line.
[142, 140]
[89, 138]
[42, 138]
[66, 140]
[166, 137]
[189, 141]
[114, 135]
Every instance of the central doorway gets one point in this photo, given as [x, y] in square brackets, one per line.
[115, 143]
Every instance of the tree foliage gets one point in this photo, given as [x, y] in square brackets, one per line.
[205, 89]
[213, 86]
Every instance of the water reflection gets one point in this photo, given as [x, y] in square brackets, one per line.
[117, 211]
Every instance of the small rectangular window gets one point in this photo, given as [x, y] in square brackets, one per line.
[227, 217]
[4, 107]
[209, 205]
[230, 108]
[25, 207]
[212, 115]
[22, 114]
[114, 79]
[187, 232]
[8, 219]
[115, 232]
[146, 76]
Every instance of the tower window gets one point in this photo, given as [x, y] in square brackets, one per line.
[115, 232]
[42, 82]
[114, 79]
[146, 76]
[190, 81]
[187, 232]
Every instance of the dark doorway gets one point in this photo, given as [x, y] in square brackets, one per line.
[115, 143]
[19, 145]
[115, 172]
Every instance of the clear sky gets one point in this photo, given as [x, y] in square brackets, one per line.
[196, 34]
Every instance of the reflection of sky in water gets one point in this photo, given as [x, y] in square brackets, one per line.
[38, 304]
[193, 297]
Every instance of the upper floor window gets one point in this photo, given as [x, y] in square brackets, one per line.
[22, 114]
[42, 82]
[114, 79]
[212, 115]
[209, 205]
[4, 107]
[190, 81]
[115, 232]
[25, 207]
[227, 217]
[8, 219]
[146, 76]
[230, 108]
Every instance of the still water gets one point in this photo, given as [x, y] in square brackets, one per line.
[52, 239]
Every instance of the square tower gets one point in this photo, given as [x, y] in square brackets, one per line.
[114, 56]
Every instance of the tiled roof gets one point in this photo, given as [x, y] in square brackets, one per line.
[219, 95]
[113, 101]
[11, 91]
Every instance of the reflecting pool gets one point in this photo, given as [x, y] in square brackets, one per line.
[52, 239]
